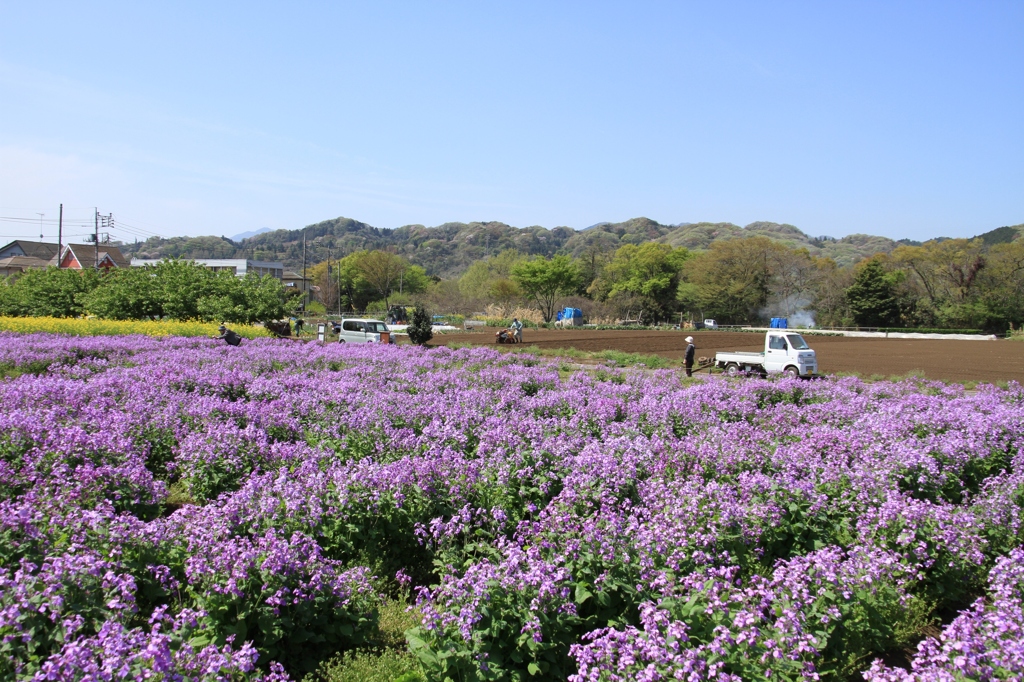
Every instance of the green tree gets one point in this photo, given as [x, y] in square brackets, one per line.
[414, 281]
[246, 300]
[126, 294]
[732, 280]
[506, 294]
[544, 281]
[490, 280]
[649, 272]
[53, 292]
[828, 283]
[344, 286]
[873, 297]
[183, 283]
[383, 271]
[1003, 284]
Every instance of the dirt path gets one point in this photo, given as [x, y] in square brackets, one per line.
[986, 361]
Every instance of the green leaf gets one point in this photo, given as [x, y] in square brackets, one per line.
[533, 669]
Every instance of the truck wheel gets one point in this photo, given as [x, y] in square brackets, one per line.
[341, 340]
[732, 369]
[791, 372]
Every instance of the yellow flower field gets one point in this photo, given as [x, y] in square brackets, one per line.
[96, 327]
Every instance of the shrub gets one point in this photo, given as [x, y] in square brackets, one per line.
[420, 330]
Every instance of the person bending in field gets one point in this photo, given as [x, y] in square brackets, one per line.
[229, 336]
[688, 358]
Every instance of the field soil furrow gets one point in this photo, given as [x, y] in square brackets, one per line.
[944, 360]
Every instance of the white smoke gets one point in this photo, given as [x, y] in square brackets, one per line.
[802, 318]
[794, 308]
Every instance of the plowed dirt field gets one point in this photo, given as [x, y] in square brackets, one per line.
[985, 361]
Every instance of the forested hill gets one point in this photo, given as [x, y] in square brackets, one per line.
[447, 250]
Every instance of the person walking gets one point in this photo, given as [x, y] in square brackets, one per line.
[229, 336]
[517, 330]
[688, 358]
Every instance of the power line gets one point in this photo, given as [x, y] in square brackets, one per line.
[121, 224]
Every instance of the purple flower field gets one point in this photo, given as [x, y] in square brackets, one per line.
[176, 509]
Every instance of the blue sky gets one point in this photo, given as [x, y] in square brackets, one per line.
[894, 118]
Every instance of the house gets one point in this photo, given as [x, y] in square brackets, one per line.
[293, 281]
[239, 267]
[21, 255]
[84, 257]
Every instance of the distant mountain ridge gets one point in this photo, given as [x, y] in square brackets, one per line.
[447, 250]
[251, 233]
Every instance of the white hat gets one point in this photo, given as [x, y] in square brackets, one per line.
[689, 339]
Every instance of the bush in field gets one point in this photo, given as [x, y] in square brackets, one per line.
[420, 326]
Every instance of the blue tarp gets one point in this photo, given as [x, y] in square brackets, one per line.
[779, 323]
[569, 313]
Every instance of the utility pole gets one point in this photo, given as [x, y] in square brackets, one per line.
[305, 292]
[60, 235]
[96, 236]
[329, 281]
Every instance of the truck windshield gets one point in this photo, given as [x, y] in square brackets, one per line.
[376, 327]
[797, 342]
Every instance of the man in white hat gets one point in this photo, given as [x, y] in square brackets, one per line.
[688, 358]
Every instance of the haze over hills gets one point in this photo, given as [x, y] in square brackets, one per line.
[447, 250]
[251, 233]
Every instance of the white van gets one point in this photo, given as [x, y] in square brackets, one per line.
[359, 330]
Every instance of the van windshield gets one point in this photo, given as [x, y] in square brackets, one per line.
[797, 342]
[376, 327]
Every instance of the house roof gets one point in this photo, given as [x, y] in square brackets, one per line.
[24, 263]
[42, 250]
[85, 254]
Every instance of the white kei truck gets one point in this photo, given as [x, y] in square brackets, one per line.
[784, 351]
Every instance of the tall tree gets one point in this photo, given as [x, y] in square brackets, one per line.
[872, 297]
[649, 272]
[1002, 284]
[947, 269]
[828, 285]
[383, 271]
[792, 271]
[544, 281]
[732, 280]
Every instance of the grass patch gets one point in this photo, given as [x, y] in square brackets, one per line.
[370, 665]
[632, 359]
[94, 327]
[177, 495]
[912, 374]
[617, 358]
[393, 621]
[388, 660]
